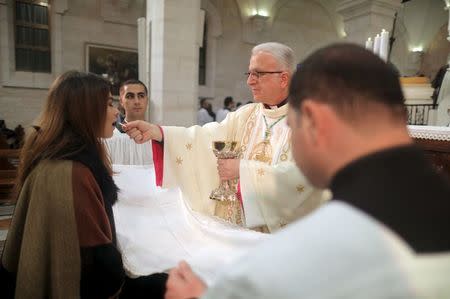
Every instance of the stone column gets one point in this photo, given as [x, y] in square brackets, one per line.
[366, 18]
[143, 59]
[5, 26]
[174, 60]
[443, 109]
[59, 7]
[142, 50]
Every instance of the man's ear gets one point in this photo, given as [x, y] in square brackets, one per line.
[314, 118]
[307, 120]
[285, 79]
[121, 97]
[322, 121]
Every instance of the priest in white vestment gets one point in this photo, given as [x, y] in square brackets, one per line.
[383, 234]
[273, 192]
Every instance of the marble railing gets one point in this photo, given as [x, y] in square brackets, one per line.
[430, 132]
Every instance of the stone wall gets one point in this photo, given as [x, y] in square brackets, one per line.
[73, 25]
[302, 25]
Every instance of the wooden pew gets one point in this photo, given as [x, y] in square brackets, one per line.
[438, 152]
[8, 174]
[435, 141]
[9, 159]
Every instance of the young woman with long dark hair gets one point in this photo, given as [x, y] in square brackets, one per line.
[62, 240]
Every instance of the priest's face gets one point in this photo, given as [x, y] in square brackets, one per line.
[266, 79]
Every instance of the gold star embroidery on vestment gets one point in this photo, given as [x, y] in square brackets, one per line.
[189, 146]
[300, 188]
[260, 172]
[179, 160]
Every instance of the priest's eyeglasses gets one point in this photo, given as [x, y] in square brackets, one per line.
[257, 75]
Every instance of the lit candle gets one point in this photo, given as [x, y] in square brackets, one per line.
[369, 44]
[376, 44]
[384, 44]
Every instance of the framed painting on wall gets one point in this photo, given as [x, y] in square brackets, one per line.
[113, 63]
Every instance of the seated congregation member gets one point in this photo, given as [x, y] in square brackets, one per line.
[62, 240]
[133, 97]
[272, 191]
[390, 208]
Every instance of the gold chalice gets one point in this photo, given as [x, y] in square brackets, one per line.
[227, 188]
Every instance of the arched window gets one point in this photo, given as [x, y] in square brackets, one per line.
[32, 36]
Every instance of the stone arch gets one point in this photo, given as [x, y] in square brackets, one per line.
[436, 54]
[214, 19]
[256, 29]
[297, 24]
[329, 6]
[400, 49]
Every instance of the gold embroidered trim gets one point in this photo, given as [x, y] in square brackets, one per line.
[287, 146]
[300, 188]
[250, 124]
[260, 172]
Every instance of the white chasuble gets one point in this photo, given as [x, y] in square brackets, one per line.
[274, 192]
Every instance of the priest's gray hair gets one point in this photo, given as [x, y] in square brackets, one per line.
[282, 53]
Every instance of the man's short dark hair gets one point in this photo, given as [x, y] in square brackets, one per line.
[227, 101]
[134, 81]
[350, 79]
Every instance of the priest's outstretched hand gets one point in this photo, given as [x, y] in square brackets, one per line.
[183, 283]
[142, 131]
